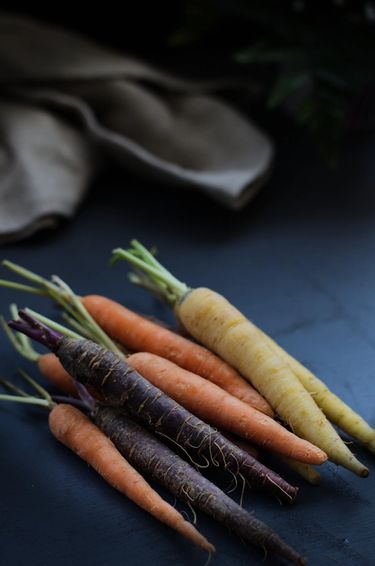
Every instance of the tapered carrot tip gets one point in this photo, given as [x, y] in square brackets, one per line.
[287, 552]
[365, 472]
[190, 532]
[358, 468]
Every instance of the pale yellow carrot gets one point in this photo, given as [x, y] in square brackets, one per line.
[212, 320]
[217, 324]
[332, 406]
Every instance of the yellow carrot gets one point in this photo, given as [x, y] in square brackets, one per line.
[332, 406]
[213, 321]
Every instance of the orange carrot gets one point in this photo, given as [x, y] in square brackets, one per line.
[141, 334]
[51, 368]
[207, 401]
[220, 409]
[77, 432]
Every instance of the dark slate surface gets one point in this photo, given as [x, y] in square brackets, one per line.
[300, 262]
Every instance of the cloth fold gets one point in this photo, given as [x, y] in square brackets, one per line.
[67, 104]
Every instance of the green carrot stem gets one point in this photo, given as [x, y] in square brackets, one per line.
[22, 339]
[23, 347]
[11, 387]
[22, 287]
[26, 273]
[76, 325]
[148, 256]
[21, 399]
[156, 273]
[87, 319]
[60, 292]
[43, 392]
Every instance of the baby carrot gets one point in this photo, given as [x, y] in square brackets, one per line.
[73, 429]
[141, 334]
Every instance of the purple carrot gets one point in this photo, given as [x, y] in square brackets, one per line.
[36, 330]
[119, 384]
[151, 457]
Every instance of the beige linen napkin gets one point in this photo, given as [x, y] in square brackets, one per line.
[67, 104]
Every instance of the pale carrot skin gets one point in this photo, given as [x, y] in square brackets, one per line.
[212, 320]
[203, 398]
[73, 429]
[141, 334]
[332, 406]
[216, 407]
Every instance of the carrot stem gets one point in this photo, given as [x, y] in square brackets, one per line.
[21, 399]
[25, 349]
[60, 292]
[172, 288]
[22, 287]
[43, 392]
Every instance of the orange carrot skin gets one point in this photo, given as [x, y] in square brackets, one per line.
[119, 384]
[51, 368]
[203, 398]
[216, 407]
[140, 334]
[73, 429]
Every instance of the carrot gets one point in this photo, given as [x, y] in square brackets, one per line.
[147, 454]
[99, 318]
[50, 366]
[118, 383]
[199, 396]
[212, 320]
[203, 399]
[307, 472]
[332, 406]
[140, 334]
[152, 457]
[222, 410]
[73, 429]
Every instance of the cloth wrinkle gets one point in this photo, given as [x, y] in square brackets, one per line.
[68, 105]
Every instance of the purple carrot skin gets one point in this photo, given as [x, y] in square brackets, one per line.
[147, 454]
[119, 384]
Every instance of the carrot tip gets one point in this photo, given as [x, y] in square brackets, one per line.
[364, 473]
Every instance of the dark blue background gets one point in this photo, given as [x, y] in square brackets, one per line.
[300, 262]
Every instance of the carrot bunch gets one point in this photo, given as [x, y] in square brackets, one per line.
[234, 379]
[296, 395]
[116, 381]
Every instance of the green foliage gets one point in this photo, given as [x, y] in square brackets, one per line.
[314, 57]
